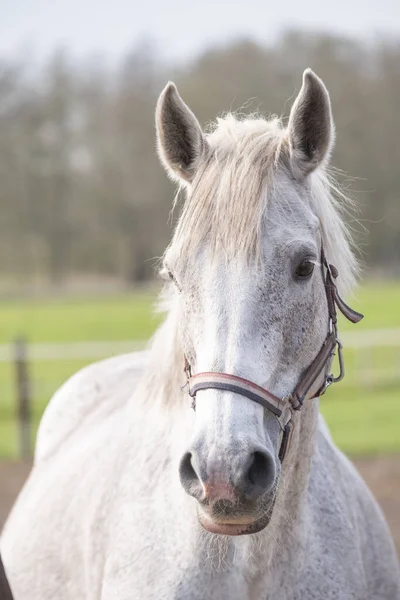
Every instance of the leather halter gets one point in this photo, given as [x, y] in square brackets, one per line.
[282, 407]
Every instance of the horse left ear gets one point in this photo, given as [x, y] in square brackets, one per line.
[311, 130]
[181, 142]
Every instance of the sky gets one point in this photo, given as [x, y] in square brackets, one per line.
[178, 28]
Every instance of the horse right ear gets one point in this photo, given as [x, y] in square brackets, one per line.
[181, 142]
[311, 130]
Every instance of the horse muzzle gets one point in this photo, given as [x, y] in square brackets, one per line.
[227, 518]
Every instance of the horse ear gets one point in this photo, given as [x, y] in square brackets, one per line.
[311, 129]
[180, 139]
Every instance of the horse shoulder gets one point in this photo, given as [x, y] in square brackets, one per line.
[347, 514]
[380, 562]
[88, 397]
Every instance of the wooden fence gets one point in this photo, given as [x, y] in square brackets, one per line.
[365, 371]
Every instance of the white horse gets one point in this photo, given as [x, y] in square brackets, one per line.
[133, 495]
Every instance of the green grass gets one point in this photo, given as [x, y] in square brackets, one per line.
[363, 419]
[73, 320]
[379, 301]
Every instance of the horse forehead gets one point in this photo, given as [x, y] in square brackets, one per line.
[289, 205]
[239, 279]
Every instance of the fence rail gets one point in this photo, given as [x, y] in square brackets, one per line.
[374, 338]
[70, 350]
[375, 361]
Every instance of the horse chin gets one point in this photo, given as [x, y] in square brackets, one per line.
[238, 528]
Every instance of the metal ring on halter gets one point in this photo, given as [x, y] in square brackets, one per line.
[341, 362]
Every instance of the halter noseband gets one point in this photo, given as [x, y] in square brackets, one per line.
[282, 407]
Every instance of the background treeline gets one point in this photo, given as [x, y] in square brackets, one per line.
[82, 195]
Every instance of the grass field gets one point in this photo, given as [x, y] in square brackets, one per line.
[363, 418]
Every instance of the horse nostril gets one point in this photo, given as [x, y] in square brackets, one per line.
[189, 478]
[261, 474]
[251, 477]
[186, 468]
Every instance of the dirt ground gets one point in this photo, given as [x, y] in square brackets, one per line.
[382, 475]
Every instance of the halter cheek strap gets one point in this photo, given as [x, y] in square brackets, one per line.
[282, 407]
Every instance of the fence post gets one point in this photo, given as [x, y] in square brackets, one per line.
[23, 398]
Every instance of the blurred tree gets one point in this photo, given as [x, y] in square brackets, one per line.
[82, 190]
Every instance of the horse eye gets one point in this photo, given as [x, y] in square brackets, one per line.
[166, 274]
[171, 277]
[304, 270]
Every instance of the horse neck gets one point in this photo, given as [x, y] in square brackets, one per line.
[286, 528]
[296, 469]
[164, 375]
